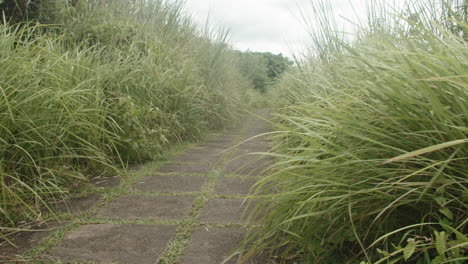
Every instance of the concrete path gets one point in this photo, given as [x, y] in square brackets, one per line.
[189, 211]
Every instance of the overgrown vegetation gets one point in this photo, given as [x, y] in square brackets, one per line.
[104, 85]
[43, 11]
[262, 68]
[372, 143]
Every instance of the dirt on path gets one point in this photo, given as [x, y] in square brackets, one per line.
[188, 211]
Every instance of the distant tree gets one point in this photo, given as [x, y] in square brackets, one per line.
[254, 68]
[262, 69]
[276, 64]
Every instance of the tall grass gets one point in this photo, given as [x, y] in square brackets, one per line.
[110, 84]
[372, 155]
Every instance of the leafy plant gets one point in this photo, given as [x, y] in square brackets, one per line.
[371, 147]
[113, 83]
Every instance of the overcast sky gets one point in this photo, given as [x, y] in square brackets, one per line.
[263, 25]
[257, 25]
[271, 25]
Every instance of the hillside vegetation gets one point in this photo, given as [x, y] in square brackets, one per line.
[89, 87]
[370, 132]
[372, 143]
[262, 68]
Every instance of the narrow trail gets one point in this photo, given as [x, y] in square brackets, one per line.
[189, 211]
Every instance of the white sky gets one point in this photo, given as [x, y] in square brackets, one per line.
[272, 25]
[257, 25]
[264, 25]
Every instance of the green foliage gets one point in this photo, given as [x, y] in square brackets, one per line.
[372, 149]
[262, 69]
[42, 11]
[276, 64]
[116, 82]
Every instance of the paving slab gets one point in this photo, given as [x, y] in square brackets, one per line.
[258, 128]
[234, 186]
[254, 145]
[206, 155]
[170, 183]
[25, 240]
[75, 206]
[108, 243]
[143, 207]
[218, 145]
[221, 143]
[205, 151]
[256, 135]
[234, 135]
[235, 128]
[259, 167]
[185, 168]
[222, 140]
[248, 165]
[224, 211]
[212, 245]
[264, 113]
[106, 182]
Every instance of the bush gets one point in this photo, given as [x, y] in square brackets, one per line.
[118, 82]
[372, 150]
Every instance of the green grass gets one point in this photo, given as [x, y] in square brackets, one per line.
[71, 222]
[372, 146]
[184, 231]
[185, 226]
[110, 84]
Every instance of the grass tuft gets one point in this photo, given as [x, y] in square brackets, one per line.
[108, 84]
[372, 144]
